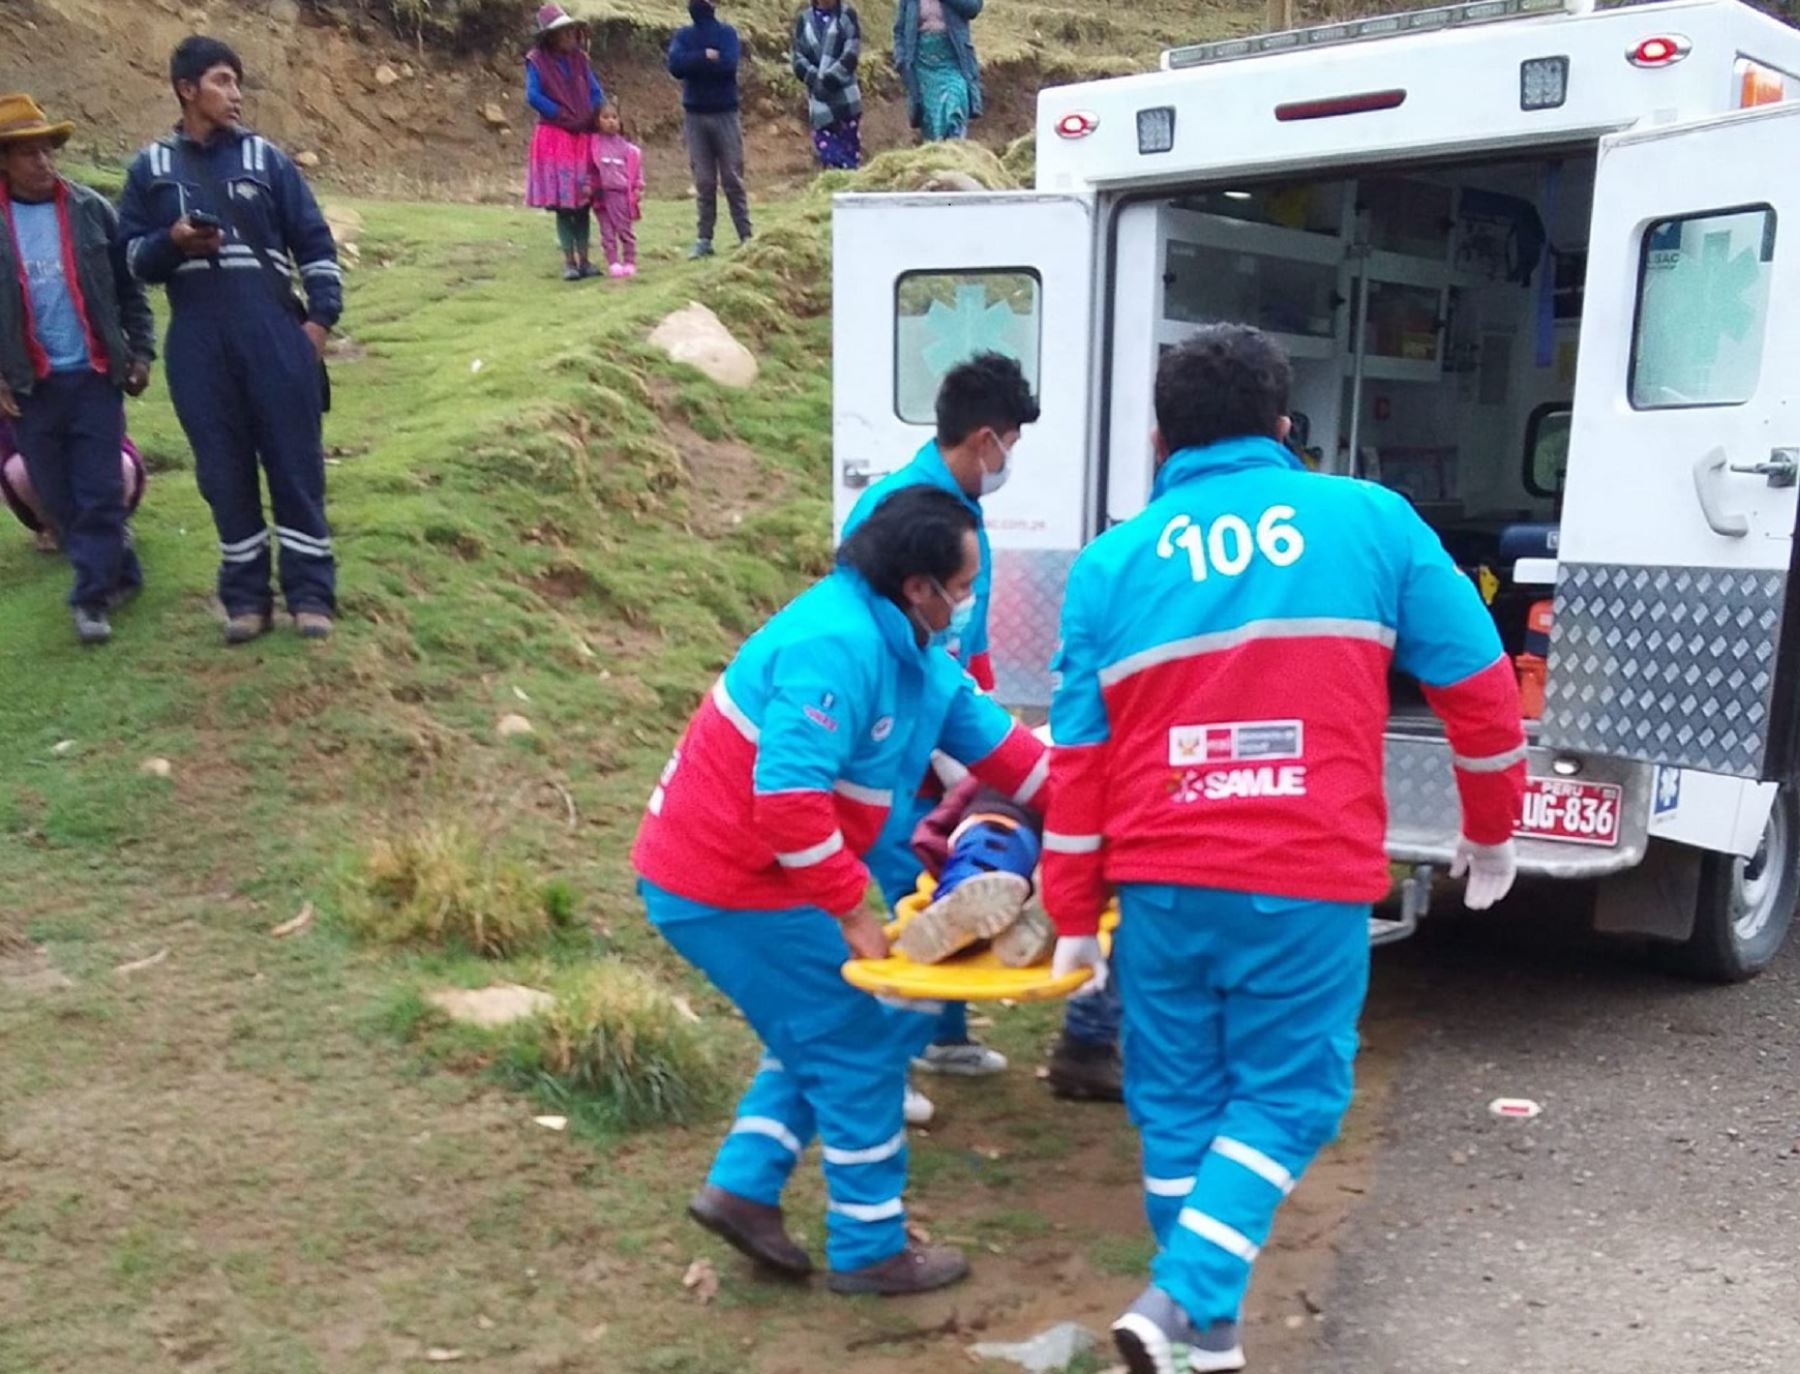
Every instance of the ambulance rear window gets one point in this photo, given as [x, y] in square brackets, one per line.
[945, 318]
[1702, 311]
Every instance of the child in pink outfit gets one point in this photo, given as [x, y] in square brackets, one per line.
[619, 191]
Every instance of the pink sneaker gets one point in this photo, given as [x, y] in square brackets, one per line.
[631, 269]
[618, 269]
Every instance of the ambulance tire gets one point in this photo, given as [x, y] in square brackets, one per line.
[1746, 906]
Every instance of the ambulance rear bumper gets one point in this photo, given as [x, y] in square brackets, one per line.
[1424, 815]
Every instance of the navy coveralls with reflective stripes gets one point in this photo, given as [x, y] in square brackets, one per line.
[242, 373]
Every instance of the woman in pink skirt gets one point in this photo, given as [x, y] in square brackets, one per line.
[561, 86]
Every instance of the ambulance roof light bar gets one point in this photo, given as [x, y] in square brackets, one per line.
[1358, 31]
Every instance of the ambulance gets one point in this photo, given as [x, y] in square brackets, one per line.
[1529, 261]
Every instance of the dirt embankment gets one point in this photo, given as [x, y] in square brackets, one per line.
[386, 116]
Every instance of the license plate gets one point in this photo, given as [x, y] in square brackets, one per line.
[1572, 812]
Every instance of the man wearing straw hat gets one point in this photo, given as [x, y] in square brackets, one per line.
[75, 333]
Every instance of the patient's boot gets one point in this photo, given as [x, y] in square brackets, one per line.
[984, 886]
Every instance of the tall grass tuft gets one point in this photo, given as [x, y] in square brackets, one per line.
[618, 1048]
[438, 885]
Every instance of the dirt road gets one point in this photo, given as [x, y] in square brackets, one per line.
[1648, 1220]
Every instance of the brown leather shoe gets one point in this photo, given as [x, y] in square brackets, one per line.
[1086, 1073]
[312, 624]
[916, 1269]
[752, 1228]
[246, 626]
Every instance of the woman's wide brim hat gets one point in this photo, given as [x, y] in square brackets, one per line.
[21, 118]
[551, 18]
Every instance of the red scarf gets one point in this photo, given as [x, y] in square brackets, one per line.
[40, 360]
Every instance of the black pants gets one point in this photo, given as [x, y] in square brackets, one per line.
[71, 429]
[715, 144]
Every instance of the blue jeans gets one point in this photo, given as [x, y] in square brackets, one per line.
[1094, 1019]
[70, 430]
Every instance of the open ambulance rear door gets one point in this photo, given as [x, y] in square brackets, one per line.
[1676, 638]
[923, 282]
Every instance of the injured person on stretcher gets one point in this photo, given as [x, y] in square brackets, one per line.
[982, 849]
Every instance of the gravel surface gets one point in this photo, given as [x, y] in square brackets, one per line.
[1647, 1221]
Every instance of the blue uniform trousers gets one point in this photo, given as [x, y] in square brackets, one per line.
[245, 382]
[70, 430]
[1239, 1033]
[834, 1064]
[896, 870]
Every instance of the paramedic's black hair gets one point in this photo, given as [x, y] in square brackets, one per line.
[988, 390]
[916, 532]
[194, 57]
[1224, 381]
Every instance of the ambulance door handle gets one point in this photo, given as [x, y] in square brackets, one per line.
[859, 472]
[1722, 522]
[1782, 469]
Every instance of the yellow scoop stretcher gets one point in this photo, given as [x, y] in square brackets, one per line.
[976, 975]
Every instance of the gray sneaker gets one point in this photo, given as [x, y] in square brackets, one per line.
[702, 249]
[1155, 1324]
[92, 627]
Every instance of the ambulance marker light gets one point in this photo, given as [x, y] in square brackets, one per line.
[1759, 85]
[1665, 50]
[1156, 129]
[1543, 83]
[1565, 767]
[1239, 195]
[1077, 124]
[1340, 105]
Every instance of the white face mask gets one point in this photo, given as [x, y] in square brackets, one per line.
[991, 482]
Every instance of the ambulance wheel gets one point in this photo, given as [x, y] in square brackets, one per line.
[1746, 906]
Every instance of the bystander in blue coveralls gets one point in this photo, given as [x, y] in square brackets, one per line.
[750, 859]
[982, 405]
[1218, 761]
[224, 219]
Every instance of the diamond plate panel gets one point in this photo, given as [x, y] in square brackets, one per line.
[1025, 605]
[1670, 665]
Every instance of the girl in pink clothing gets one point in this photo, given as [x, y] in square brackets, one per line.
[618, 192]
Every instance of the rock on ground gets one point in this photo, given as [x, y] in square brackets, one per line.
[1045, 1353]
[697, 337]
[498, 1005]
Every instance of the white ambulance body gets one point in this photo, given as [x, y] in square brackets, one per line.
[1496, 243]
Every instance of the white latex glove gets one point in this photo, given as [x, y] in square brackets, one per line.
[1491, 869]
[1075, 952]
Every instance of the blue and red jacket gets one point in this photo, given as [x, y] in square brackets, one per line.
[787, 771]
[1224, 687]
[927, 470]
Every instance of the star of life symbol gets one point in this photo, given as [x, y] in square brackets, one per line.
[1668, 790]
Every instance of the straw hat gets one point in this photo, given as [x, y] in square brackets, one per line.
[553, 17]
[21, 118]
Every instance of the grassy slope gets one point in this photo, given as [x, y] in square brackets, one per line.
[263, 1154]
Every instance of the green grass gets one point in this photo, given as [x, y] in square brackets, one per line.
[263, 1153]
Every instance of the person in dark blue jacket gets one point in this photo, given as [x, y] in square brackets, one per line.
[224, 219]
[703, 56]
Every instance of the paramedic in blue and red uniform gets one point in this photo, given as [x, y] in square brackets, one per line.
[226, 221]
[982, 405]
[750, 856]
[1218, 764]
